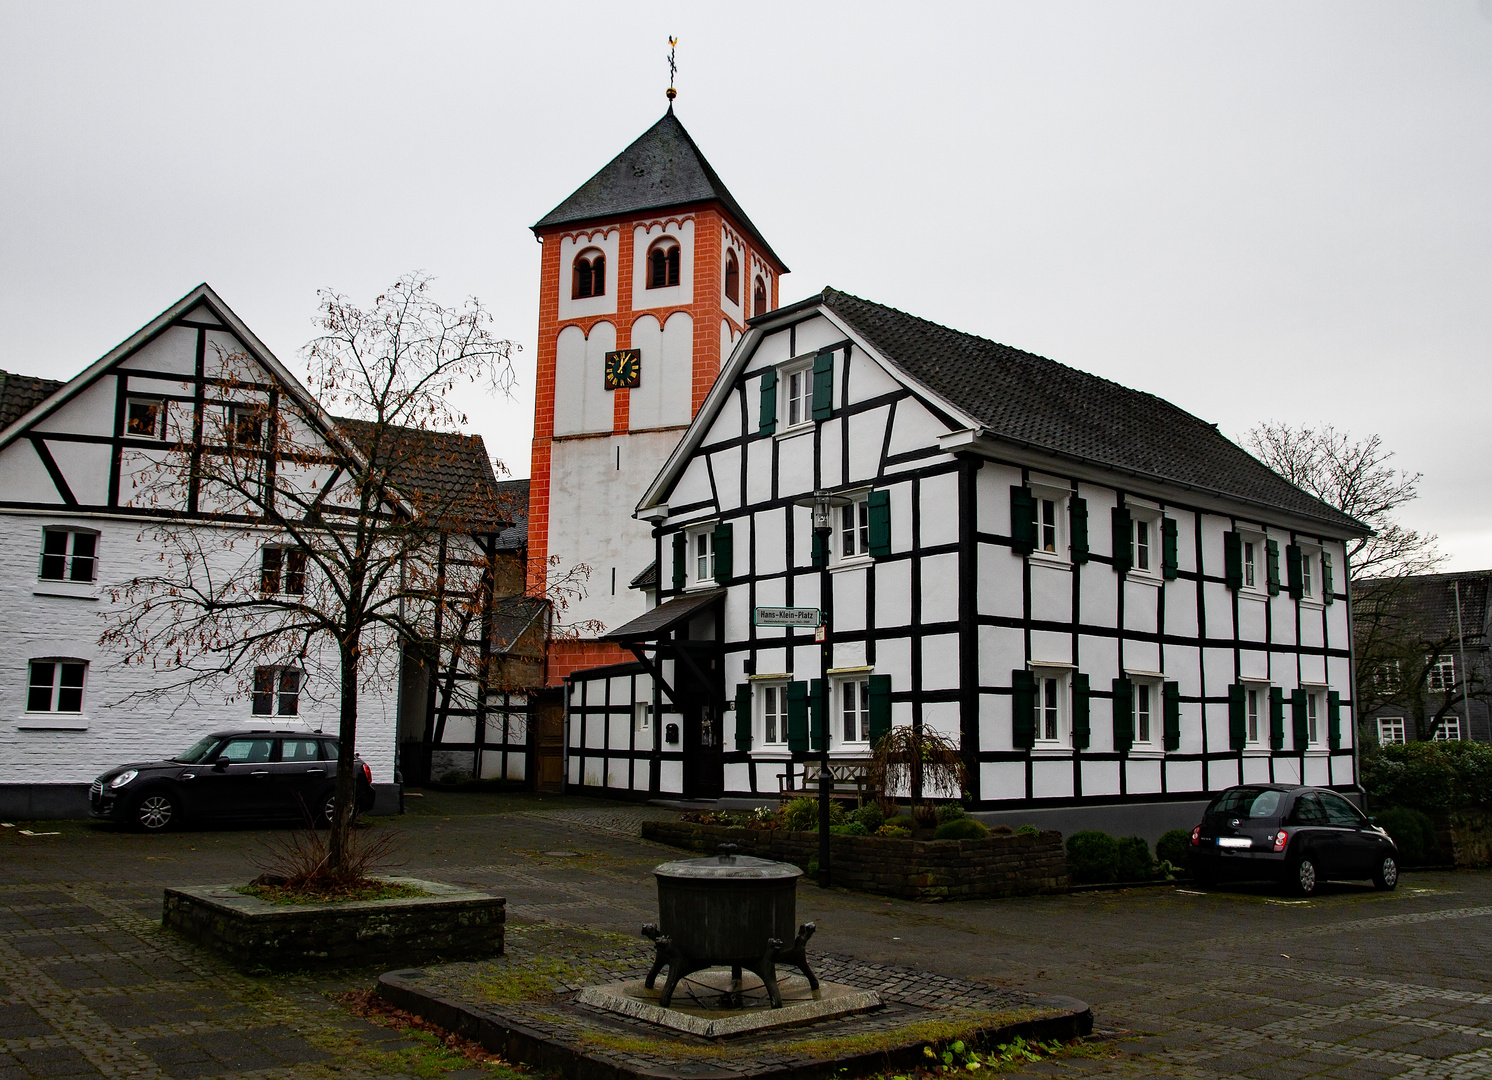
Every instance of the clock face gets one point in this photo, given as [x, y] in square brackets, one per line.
[623, 369]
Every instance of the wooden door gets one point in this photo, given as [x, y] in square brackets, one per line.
[549, 742]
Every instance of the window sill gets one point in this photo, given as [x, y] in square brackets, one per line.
[1258, 596]
[1144, 577]
[1310, 602]
[1048, 558]
[72, 590]
[857, 562]
[42, 723]
[1145, 753]
[785, 432]
[1050, 751]
[1257, 751]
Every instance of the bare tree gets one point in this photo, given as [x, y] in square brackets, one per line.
[309, 536]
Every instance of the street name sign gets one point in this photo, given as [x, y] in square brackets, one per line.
[789, 616]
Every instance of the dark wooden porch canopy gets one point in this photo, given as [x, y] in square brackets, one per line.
[657, 627]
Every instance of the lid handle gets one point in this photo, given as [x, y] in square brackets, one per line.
[727, 853]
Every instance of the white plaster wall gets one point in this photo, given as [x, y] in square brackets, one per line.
[581, 401]
[608, 241]
[665, 383]
[643, 237]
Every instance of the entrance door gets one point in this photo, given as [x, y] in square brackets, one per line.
[549, 742]
[704, 763]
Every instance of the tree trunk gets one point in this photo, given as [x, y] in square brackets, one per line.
[346, 795]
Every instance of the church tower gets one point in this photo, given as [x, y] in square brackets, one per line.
[649, 273]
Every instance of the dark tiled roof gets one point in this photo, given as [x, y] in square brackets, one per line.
[1029, 399]
[1428, 602]
[512, 497]
[19, 394]
[665, 617]
[647, 579]
[443, 473]
[512, 617]
[663, 168]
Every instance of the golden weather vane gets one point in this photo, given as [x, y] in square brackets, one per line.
[673, 69]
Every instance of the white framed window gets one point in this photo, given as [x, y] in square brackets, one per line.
[1145, 544]
[55, 685]
[145, 418]
[68, 555]
[1390, 730]
[852, 717]
[1309, 582]
[1053, 718]
[854, 527]
[1049, 508]
[1313, 717]
[1148, 714]
[642, 719]
[1255, 572]
[796, 382]
[282, 571]
[1255, 711]
[771, 707]
[1441, 676]
[245, 425]
[1389, 677]
[701, 554]
[276, 691]
[1449, 729]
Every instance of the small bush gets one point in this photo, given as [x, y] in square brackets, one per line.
[895, 832]
[1092, 857]
[1135, 863]
[1028, 830]
[1412, 830]
[926, 815]
[802, 815]
[902, 821]
[852, 828]
[871, 816]
[950, 812]
[1430, 776]
[1174, 847]
[1002, 830]
[963, 828]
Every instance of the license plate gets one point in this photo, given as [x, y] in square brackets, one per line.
[1234, 841]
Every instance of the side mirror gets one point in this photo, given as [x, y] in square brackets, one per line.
[1372, 820]
[220, 765]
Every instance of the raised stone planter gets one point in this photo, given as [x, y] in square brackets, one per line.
[911, 869]
[1464, 836]
[451, 923]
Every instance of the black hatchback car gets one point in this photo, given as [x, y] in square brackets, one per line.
[1297, 836]
[230, 775]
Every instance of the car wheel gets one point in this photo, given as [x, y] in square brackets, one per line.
[329, 811]
[1387, 874]
[1302, 878]
[156, 811]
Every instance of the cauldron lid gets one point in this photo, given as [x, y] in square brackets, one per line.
[737, 868]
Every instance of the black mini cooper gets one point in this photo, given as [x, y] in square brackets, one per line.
[1298, 836]
[230, 775]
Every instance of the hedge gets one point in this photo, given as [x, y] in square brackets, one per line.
[1430, 776]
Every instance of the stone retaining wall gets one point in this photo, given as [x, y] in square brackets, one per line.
[1464, 837]
[910, 869]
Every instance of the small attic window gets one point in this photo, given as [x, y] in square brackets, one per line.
[759, 298]
[590, 275]
[663, 264]
[732, 278]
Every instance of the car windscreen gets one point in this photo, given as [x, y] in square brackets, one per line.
[198, 750]
[1247, 803]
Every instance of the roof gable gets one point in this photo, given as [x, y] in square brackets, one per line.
[662, 168]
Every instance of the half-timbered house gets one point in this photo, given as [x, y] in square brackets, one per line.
[1093, 593]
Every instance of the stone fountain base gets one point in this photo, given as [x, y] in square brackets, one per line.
[712, 1004]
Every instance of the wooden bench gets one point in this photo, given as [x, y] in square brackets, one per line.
[847, 779]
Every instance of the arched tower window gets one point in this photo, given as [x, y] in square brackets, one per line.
[590, 275]
[663, 264]
[759, 298]
[732, 278]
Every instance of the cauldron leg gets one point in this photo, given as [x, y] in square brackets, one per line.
[735, 972]
[768, 972]
[797, 956]
[663, 948]
[675, 973]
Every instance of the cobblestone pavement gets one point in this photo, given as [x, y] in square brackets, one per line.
[1237, 983]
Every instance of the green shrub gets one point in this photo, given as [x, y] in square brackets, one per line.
[852, 828]
[903, 821]
[1429, 776]
[895, 832]
[1028, 830]
[1092, 857]
[1135, 863]
[963, 828]
[1473, 764]
[871, 816]
[802, 815]
[1174, 847]
[950, 812]
[1412, 830]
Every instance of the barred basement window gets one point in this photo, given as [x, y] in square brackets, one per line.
[276, 691]
[56, 686]
[68, 554]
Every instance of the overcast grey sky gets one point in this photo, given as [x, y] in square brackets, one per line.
[1256, 210]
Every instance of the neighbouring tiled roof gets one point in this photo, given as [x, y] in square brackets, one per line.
[665, 617]
[1428, 602]
[647, 579]
[512, 617]
[1029, 399]
[512, 497]
[661, 169]
[19, 394]
[445, 473]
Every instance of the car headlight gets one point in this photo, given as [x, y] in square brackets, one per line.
[124, 778]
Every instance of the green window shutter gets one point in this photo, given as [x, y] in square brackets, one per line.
[1077, 513]
[817, 714]
[1328, 586]
[1124, 539]
[1171, 698]
[823, 385]
[1082, 726]
[1233, 560]
[880, 523]
[1022, 521]
[724, 552]
[1298, 727]
[1276, 718]
[1294, 576]
[1237, 718]
[797, 717]
[1124, 715]
[1023, 708]
[1168, 563]
[1334, 719]
[1272, 566]
[680, 554]
[743, 718]
[820, 551]
[880, 708]
[767, 424]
